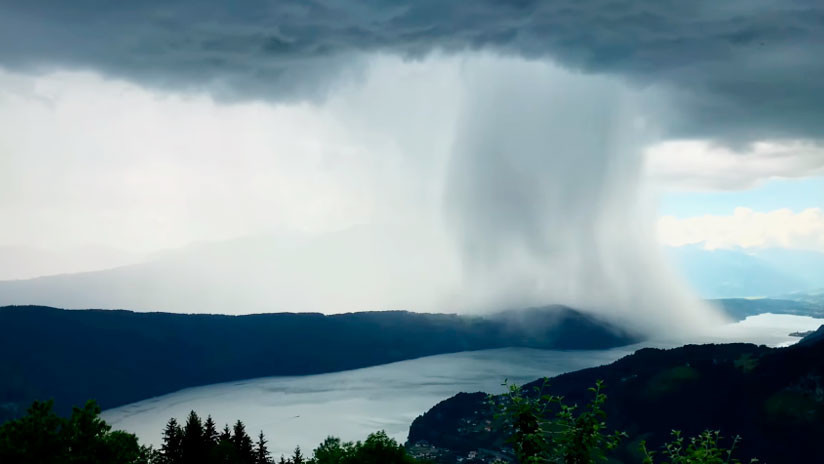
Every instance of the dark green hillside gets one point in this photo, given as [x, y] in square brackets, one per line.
[117, 357]
[771, 397]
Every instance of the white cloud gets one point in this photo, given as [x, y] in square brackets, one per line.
[699, 165]
[746, 228]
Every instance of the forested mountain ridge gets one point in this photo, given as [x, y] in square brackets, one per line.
[741, 308]
[772, 397]
[118, 357]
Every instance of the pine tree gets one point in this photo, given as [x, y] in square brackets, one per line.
[243, 443]
[225, 452]
[193, 442]
[210, 431]
[226, 434]
[297, 458]
[283, 460]
[172, 448]
[262, 455]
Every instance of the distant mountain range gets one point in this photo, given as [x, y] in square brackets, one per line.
[771, 397]
[359, 269]
[741, 308]
[773, 272]
[118, 357]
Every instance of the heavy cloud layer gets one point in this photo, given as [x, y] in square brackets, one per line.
[738, 69]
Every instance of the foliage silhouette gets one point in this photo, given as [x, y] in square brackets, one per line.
[702, 449]
[568, 437]
[538, 436]
[262, 455]
[43, 437]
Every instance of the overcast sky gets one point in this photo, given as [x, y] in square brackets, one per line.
[509, 136]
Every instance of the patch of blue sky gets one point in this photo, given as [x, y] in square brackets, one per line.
[795, 194]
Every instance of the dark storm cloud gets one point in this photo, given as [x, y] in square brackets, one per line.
[737, 68]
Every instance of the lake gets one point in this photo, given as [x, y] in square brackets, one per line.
[303, 410]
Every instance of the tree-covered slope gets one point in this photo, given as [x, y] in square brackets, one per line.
[771, 397]
[117, 357]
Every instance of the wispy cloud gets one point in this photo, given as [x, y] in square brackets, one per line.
[700, 165]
